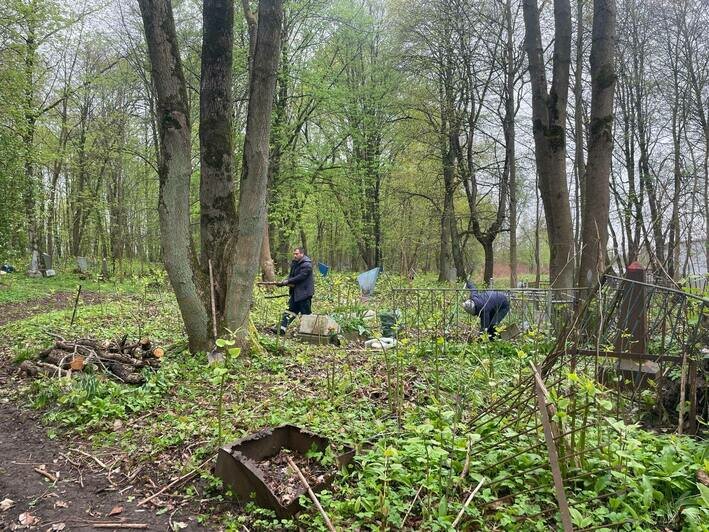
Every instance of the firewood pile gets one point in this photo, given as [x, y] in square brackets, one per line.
[118, 360]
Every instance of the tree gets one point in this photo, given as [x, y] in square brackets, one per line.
[600, 145]
[239, 248]
[549, 129]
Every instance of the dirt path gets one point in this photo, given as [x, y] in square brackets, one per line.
[76, 492]
[16, 311]
[82, 494]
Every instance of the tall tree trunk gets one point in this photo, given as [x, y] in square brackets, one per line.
[57, 166]
[579, 163]
[510, 139]
[174, 168]
[216, 191]
[600, 144]
[268, 270]
[28, 134]
[445, 259]
[537, 243]
[252, 192]
[79, 214]
[549, 127]
[489, 260]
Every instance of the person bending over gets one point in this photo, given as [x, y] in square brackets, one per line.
[301, 288]
[492, 307]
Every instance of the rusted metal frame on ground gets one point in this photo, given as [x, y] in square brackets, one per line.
[543, 401]
[690, 348]
[532, 429]
[598, 527]
[522, 472]
[550, 510]
[633, 356]
[525, 387]
[556, 438]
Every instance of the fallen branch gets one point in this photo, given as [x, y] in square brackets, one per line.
[467, 502]
[411, 507]
[178, 481]
[134, 526]
[99, 462]
[314, 498]
[45, 474]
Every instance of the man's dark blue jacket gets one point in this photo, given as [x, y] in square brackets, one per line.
[301, 284]
[491, 306]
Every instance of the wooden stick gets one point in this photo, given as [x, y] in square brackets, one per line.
[311, 493]
[76, 304]
[467, 502]
[682, 392]
[134, 526]
[45, 474]
[211, 293]
[411, 507]
[99, 462]
[174, 483]
[543, 403]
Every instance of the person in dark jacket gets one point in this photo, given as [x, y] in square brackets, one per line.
[492, 307]
[301, 288]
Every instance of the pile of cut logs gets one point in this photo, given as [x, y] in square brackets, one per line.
[119, 360]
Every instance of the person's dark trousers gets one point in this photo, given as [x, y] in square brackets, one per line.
[490, 320]
[294, 308]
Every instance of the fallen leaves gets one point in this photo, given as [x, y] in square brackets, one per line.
[115, 511]
[27, 519]
[6, 504]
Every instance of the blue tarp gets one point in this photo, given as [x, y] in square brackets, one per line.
[367, 280]
[324, 269]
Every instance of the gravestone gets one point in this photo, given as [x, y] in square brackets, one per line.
[104, 269]
[318, 329]
[47, 261]
[47, 270]
[633, 323]
[82, 265]
[34, 265]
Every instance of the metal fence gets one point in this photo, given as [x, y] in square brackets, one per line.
[438, 312]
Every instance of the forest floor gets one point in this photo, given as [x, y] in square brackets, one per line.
[59, 482]
[75, 450]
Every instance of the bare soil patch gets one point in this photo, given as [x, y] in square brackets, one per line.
[10, 312]
[60, 488]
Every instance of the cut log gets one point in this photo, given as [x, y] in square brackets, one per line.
[158, 352]
[123, 373]
[77, 363]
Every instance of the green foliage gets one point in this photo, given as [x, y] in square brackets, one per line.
[406, 411]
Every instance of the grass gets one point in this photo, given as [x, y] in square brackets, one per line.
[406, 412]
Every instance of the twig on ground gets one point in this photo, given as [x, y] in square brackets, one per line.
[75, 464]
[467, 502]
[178, 481]
[411, 506]
[46, 474]
[314, 498]
[99, 462]
[134, 526]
